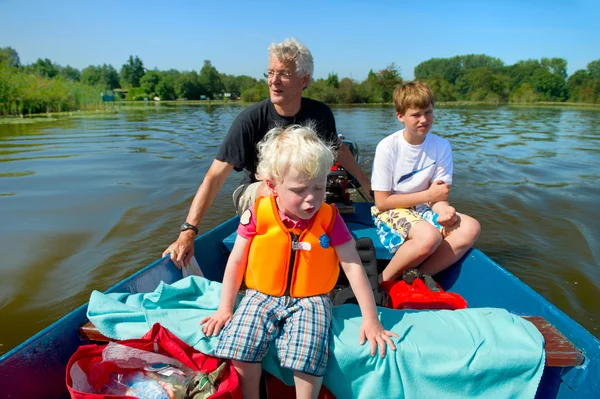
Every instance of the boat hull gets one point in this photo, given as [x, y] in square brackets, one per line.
[36, 368]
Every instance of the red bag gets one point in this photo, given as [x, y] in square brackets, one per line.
[418, 296]
[277, 389]
[159, 340]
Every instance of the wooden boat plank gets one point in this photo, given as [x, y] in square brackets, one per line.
[560, 352]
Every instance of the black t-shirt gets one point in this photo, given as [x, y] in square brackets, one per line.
[239, 148]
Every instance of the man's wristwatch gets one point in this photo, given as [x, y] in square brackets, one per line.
[187, 226]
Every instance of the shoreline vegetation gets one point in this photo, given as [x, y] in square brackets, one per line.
[44, 88]
[117, 107]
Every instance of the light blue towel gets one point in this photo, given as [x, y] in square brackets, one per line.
[480, 352]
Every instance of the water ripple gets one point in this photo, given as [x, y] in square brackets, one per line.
[87, 201]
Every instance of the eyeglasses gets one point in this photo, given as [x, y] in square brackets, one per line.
[285, 76]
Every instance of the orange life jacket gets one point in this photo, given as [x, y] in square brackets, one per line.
[292, 262]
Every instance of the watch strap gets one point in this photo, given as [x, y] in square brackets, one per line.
[188, 226]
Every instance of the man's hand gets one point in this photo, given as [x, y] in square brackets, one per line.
[182, 250]
[439, 191]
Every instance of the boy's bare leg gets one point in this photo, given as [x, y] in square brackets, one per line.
[307, 386]
[459, 239]
[422, 241]
[249, 378]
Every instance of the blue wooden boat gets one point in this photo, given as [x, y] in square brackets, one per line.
[36, 368]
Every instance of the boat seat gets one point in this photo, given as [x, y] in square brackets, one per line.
[560, 352]
[229, 241]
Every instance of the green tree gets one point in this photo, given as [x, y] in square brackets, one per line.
[472, 61]
[8, 88]
[104, 76]
[389, 79]
[556, 66]
[333, 80]
[442, 89]
[165, 89]
[210, 79]
[451, 69]
[230, 83]
[321, 90]
[257, 93]
[594, 69]
[583, 87]
[9, 56]
[44, 68]
[237, 84]
[370, 89]
[348, 92]
[90, 75]
[132, 72]
[482, 84]
[448, 68]
[551, 86]
[149, 81]
[70, 73]
[187, 85]
[524, 94]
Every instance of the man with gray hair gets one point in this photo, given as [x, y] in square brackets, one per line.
[290, 71]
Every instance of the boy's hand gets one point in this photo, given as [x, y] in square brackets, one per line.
[447, 217]
[373, 331]
[216, 322]
[439, 191]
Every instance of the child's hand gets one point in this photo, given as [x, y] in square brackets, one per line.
[447, 217]
[373, 331]
[439, 191]
[216, 322]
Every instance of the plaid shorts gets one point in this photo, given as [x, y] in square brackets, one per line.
[299, 326]
[393, 225]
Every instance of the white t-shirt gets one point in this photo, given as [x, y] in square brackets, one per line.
[403, 168]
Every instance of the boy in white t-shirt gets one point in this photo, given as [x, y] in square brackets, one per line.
[412, 175]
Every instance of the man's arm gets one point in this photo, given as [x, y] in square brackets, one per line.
[385, 200]
[346, 159]
[210, 186]
[182, 250]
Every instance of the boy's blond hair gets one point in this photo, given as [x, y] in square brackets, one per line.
[296, 147]
[415, 94]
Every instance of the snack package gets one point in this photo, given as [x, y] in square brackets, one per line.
[145, 374]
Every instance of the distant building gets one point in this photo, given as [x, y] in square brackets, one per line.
[120, 93]
[107, 96]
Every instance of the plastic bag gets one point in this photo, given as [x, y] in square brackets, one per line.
[127, 371]
[140, 368]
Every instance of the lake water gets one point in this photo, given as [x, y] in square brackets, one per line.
[86, 201]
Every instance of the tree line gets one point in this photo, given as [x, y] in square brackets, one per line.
[483, 78]
[44, 86]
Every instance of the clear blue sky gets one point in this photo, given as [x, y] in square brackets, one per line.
[347, 37]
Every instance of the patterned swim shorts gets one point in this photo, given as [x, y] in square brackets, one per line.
[393, 225]
[299, 327]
